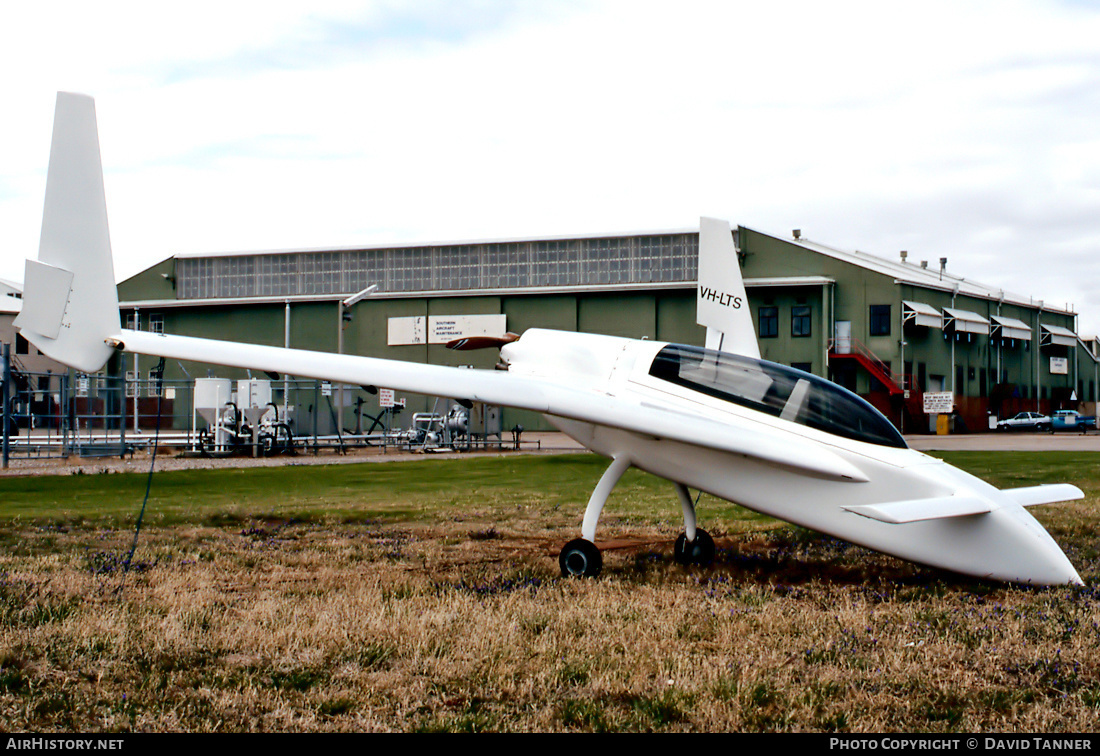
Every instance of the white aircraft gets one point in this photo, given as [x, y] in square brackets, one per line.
[773, 439]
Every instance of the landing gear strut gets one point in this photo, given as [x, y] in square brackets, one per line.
[581, 557]
[694, 546]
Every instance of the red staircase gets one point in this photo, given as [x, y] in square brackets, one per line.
[870, 362]
[895, 383]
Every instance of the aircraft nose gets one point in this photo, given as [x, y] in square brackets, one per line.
[1063, 570]
[1028, 554]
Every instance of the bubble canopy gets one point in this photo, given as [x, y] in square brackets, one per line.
[777, 390]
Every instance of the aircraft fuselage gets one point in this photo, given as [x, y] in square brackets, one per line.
[1006, 543]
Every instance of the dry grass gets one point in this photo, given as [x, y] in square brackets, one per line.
[465, 626]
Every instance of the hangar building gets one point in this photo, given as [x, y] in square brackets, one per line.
[887, 329]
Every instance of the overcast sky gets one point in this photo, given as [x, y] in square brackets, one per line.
[966, 130]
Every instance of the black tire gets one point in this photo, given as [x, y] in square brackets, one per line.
[580, 558]
[699, 552]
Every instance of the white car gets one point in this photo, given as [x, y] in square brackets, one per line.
[1025, 421]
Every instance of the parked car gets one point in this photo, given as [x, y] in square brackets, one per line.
[1072, 420]
[1025, 421]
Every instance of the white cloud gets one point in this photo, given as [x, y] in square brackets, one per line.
[958, 129]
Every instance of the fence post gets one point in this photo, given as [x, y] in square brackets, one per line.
[122, 414]
[316, 411]
[63, 414]
[7, 402]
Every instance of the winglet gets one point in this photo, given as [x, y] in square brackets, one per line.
[915, 510]
[721, 303]
[70, 303]
[1054, 493]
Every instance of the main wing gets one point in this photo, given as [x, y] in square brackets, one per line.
[71, 313]
[502, 388]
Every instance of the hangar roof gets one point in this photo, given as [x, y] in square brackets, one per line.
[10, 296]
[901, 272]
[928, 278]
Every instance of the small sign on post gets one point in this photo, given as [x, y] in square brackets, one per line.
[939, 402]
[387, 400]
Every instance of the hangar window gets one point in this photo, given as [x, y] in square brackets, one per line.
[196, 277]
[777, 390]
[800, 321]
[408, 269]
[277, 275]
[607, 261]
[320, 273]
[362, 268]
[235, 276]
[457, 267]
[554, 263]
[879, 323]
[498, 265]
[648, 259]
[768, 318]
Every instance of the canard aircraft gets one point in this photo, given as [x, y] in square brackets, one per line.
[718, 419]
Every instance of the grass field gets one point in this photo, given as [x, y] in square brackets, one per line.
[425, 596]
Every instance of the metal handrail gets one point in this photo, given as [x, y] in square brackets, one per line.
[858, 347]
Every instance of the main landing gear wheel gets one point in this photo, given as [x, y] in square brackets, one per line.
[580, 558]
[699, 552]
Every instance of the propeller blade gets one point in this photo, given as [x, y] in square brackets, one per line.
[482, 342]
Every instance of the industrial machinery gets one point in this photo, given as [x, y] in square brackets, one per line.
[245, 421]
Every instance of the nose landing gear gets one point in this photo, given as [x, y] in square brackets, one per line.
[581, 557]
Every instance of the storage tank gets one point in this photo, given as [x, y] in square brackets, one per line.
[253, 398]
[211, 396]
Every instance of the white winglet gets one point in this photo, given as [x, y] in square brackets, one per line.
[70, 300]
[901, 512]
[1048, 494]
[721, 303]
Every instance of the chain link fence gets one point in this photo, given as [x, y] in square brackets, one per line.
[71, 414]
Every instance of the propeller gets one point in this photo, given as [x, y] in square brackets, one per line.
[482, 342]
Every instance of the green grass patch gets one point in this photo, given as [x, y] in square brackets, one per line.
[417, 491]
[1018, 469]
[425, 596]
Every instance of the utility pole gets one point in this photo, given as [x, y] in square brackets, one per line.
[343, 317]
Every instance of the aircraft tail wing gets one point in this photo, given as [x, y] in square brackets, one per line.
[916, 510]
[70, 302]
[721, 303]
[1049, 494]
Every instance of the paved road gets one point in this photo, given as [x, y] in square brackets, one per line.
[547, 442]
[1008, 442]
